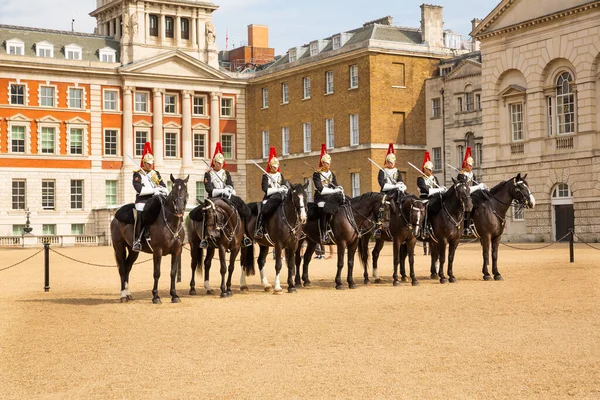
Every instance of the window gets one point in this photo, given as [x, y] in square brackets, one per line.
[199, 105]
[265, 144]
[469, 101]
[18, 194]
[48, 140]
[337, 42]
[48, 229]
[200, 193]
[437, 158]
[478, 102]
[516, 121]
[111, 193]
[518, 213]
[460, 150]
[479, 154]
[44, 49]
[549, 122]
[47, 195]
[285, 140]
[110, 142]
[460, 104]
[354, 134]
[306, 87]
[226, 107]
[398, 75]
[561, 191]
[77, 229]
[76, 194]
[227, 142]
[309, 190]
[170, 104]
[329, 133]
[15, 47]
[314, 48]
[353, 76]
[17, 94]
[18, 230]
[111, 100]
[445, 70]
[169, 27]
[73, 52]
[436, 108]
[47, 96]
[75, 98]
[141, 102]
[285, 93]
[292, 55]
[153, 22]
[76, 141]
[141, 137]
[565, 104]
[17, 139]
[107, 56]
[265, 98]
[355, 178]
[306, 135]
[199, 145]
[328, 82]
[185, 28]
[170, 144]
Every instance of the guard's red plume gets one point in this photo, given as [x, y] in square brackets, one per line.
[425, 159]
[323, 152]
[467, 155]
[218, 150]
[390, 149]
[272, 154]
[147, 150]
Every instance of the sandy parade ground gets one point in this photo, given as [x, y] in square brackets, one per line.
[534, 335]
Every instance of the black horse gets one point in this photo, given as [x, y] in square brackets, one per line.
[489, 214]
[406, 215]
[356, 217]
[166, 232]
[283, 226]
[445, 214]
[224, 230]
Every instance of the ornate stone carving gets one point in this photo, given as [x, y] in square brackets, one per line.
[210, 33]
[133, 20]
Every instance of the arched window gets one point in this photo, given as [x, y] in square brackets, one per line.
[470, 140]
[469, 104]
[565, 104]
[561, 191]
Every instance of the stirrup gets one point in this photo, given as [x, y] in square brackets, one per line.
[246, 241]
[377, 233]
[203, 244]
[137, 246]
[259, 234]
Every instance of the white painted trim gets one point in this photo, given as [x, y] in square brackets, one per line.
[232, 145]
[118, 98]
[55, 87]
[177, 133]
[83, 97]
[205, 133]
[118, 144]
[205, 106]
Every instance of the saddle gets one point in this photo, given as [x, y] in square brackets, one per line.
[151, 211]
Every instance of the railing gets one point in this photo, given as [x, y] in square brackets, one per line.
[517, 148]
[563, 143]
[60, 240]
[10, 241]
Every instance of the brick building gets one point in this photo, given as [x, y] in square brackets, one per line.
[356, 91]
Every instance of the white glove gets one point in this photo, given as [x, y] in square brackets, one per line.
[218, 192]
[339, 190]
[146, 191]
[401, 186]
[433, 191]
[163, 190]
[483, 186]
[475, 188]
[328, 190]
[283, 189]
[388, 186]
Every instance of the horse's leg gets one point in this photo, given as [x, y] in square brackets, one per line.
[297, 261]
[232, 256]
[433, 252]
[485, 246]
[308, 253]
[210, 253]
[375, 255]
[196, 254]
[410, 247]
[451, 251]
[157, 259]
[131, 257]
[397, 259]
[175, 262]
[340, 264]
[277, 255]
[243, 284]
[495, 248]
[121, 256]
[351, 252]
[441, 245]
[291, 264]
[262, 259]
[402, 260]
[223, 270]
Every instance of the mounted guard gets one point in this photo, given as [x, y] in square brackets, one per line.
[147, 182]
[467, 171]
[273, 184]
[389, 177]
[428, 186]
[328, 194]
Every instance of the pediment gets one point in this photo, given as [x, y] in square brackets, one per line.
[49, 119]
[174, 64]
[465, 68]
[19, 118]
[78, 121]
[142, 124]
[513, 90]
[172, 125]
[201, 126]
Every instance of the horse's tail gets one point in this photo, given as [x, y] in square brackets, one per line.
[363, 251]
[200, 258]
[247, 260]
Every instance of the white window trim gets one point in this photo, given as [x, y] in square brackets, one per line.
[54, 197]
[352, 142]
[265, 144]
[293, 55]
[232, 145]
[204, 133]
[265, 98]
[147, 93]
[49, 123]
[351, 86]
[104, 91]
[148, 137]
[232, 116]
[17, 43]
[82, 194]
[337, 42]
[107, 51]
[285, 94]
[329, 90]
[314, 48]
[304, 80]
[352, 181]
[118, 144]
[55, 95]
[177, 133]
[176, 96]
[328, 132]
[74, 48]
[44, 46]
[205, 97]
[285, 131]
[77, 123]
[25, 93]
[19, 120]
[510, 122]
[305, 136]
[83, 98]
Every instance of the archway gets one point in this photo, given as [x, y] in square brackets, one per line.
[563, 216]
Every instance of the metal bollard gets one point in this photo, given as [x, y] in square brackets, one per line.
[46, 267]
[571, 245]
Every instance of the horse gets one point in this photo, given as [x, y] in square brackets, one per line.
[166, 232]
[489, 215]
[283, 227]
[445, 214]
[224, 231]
[351, 221]
[407, 212]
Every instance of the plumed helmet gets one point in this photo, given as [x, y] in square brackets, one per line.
[324, 156]
[148, 159]
[326, 159]
[219, 157]
[273, 160]
[390, 156]
[428, 165]
[470, 161]
[147, 156]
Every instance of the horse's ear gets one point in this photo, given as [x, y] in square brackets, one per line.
[518, 176]
[187, 179]
[172, 178]
[524, 176]
[454, 181]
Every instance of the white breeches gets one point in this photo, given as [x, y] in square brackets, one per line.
[321, 204]
[140, 206]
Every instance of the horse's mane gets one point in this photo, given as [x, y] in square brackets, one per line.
[435, 204]
[366, 196]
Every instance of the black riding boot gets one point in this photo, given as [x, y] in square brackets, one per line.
[467, 231]
[425, 234]
[246, 241]
[137, 231]
[326, 233]
[203, 242]
[259, 232]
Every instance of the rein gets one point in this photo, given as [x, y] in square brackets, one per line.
[374, 223]
[179, 219]
[462, 212]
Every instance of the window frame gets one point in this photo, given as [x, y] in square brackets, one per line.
[108, 195]
[200, 192]
[285, 140]
[520, 122]
[353, 71]
[44, 47]
[54, 96]
[265, 144]
[185, 28]
[337, 42]
[285, 93]
[140, 146]
[77, 52]
[17, 95]
[306, 88]
[116, 142]
[70, 130]
[354, 130]
[56, 133]
[15, 44]
[329, 85]
[436, 112]
[460, 150]
[174, 105]
[146, 103]
[77, 197]
[265, 98]
[116, 100]
[225, 107]
[307, 137]
[73, 230]
[70, 98]
[108, 53]
[330, 133]
[26, 127]
[49, 198]
[169, 33]
[224, 145]
[195, 145]
[437, 158]
[21, 195]
[169, 147]
[153, 31]
[355, 183]
[515, 213]
[560, 104]
[204, 104]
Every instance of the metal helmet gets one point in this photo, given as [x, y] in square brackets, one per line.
[428, 165]
[148, 159]
[326, 159]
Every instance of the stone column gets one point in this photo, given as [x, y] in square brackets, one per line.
[215, 111]
[193, 30]
[157, 129]
[186, 128]
[177, 33]
[118, 34]
[161, 29]
[127, 123]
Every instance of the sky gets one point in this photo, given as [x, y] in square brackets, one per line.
[291, 23]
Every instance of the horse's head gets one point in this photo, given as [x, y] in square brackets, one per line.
[297, 193]
[179, 195]
[463, 192]
[212, 220]
[413, 212]
[521, 192]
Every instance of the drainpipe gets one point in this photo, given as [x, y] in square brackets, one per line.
[443, 136]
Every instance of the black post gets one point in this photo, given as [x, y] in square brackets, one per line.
[571, 247]
[46, 267]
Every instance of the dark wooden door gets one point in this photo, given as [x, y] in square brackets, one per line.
[565, 220]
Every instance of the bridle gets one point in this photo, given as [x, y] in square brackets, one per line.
[174, 201]
[219, 216]
[462, 203]
[409, 225]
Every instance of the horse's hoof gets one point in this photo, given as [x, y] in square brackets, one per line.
[452, 279]
[307, 285]
[268, 288]
[415, 283]
[397, 283]
[298, 283]
[498, 277]
[367, 282]
[339, 287]
[487, 277]
[378, 280]
[404, 279]
[433, 276]
[292, 290]
[443, 280]
[352, 285]
[192, 292]
[210, 292]
[156, 300]
[244, 289]
[278, 291]
[223, 295]
[175, 300]
[124, 299]
[229, 293]
[129, 297]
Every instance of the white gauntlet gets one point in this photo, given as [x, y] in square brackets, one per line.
[328, 190]
[388, 186]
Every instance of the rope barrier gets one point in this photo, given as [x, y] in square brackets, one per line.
[92, 264]
[22, 261]
[587, 244]
[537, 248]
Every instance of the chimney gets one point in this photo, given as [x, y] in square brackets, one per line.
[258, 36]
[474, 23]
[432, 25]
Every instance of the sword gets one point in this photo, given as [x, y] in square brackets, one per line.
[217, 175]
[457, 170]
[386, 174]
[269, 175]
[422, 173]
